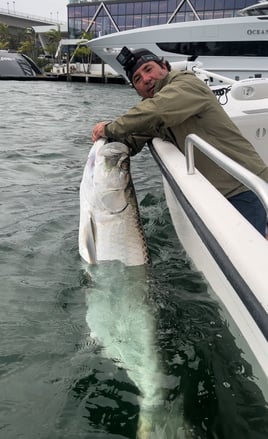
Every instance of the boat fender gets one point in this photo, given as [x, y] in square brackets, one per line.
[185, 65]
[179, 65]
[248, 89]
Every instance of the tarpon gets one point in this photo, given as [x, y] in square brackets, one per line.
[121, 315]
[111, 239]
[110, 227]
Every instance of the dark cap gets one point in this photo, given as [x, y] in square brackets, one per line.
[132, 60]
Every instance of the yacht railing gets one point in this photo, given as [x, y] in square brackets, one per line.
[250, 180]
[226, 79]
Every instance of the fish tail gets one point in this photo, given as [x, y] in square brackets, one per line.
[165, 421]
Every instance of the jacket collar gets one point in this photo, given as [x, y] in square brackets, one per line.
[162, 82]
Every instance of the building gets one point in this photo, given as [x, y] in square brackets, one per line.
[104, 17]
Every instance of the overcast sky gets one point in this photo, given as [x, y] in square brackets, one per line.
[42, 8]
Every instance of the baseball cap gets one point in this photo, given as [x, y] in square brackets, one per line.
[132, 60]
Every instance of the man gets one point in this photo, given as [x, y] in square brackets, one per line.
[174, 105]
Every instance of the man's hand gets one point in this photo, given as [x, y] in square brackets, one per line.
[98, 131]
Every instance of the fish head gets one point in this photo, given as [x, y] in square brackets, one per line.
[111, 175]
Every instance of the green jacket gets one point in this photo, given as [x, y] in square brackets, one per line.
[182, 105]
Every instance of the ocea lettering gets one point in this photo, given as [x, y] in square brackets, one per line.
[257, 31]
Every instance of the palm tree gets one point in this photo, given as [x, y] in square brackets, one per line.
[28, 44]
[53, 38]
[5, 36]
[83, 53]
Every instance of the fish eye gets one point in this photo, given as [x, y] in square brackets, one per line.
[125, 164]
[114, 159]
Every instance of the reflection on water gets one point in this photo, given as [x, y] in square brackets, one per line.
[66, 367]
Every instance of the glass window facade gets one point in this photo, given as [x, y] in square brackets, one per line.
[131, 14]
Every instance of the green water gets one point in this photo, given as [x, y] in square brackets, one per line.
[55, 380]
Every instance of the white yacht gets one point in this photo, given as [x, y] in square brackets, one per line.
[236, 47]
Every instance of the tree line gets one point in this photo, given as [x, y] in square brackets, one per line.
[26, 41]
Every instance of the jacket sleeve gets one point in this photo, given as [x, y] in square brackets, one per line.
[134, 141]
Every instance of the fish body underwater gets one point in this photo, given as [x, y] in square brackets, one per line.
[120, 314]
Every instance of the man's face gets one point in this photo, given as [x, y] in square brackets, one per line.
[145, 77]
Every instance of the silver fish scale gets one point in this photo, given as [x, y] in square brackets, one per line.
[121, 236]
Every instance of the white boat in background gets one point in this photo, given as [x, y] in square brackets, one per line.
[236, 47]
[260, 8]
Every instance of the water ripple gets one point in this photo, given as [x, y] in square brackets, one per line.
[55, 379]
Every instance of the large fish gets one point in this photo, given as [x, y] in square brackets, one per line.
[111, 240]
[110, 227]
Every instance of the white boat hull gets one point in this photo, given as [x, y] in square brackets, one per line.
[251, 117]
[231, 254]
